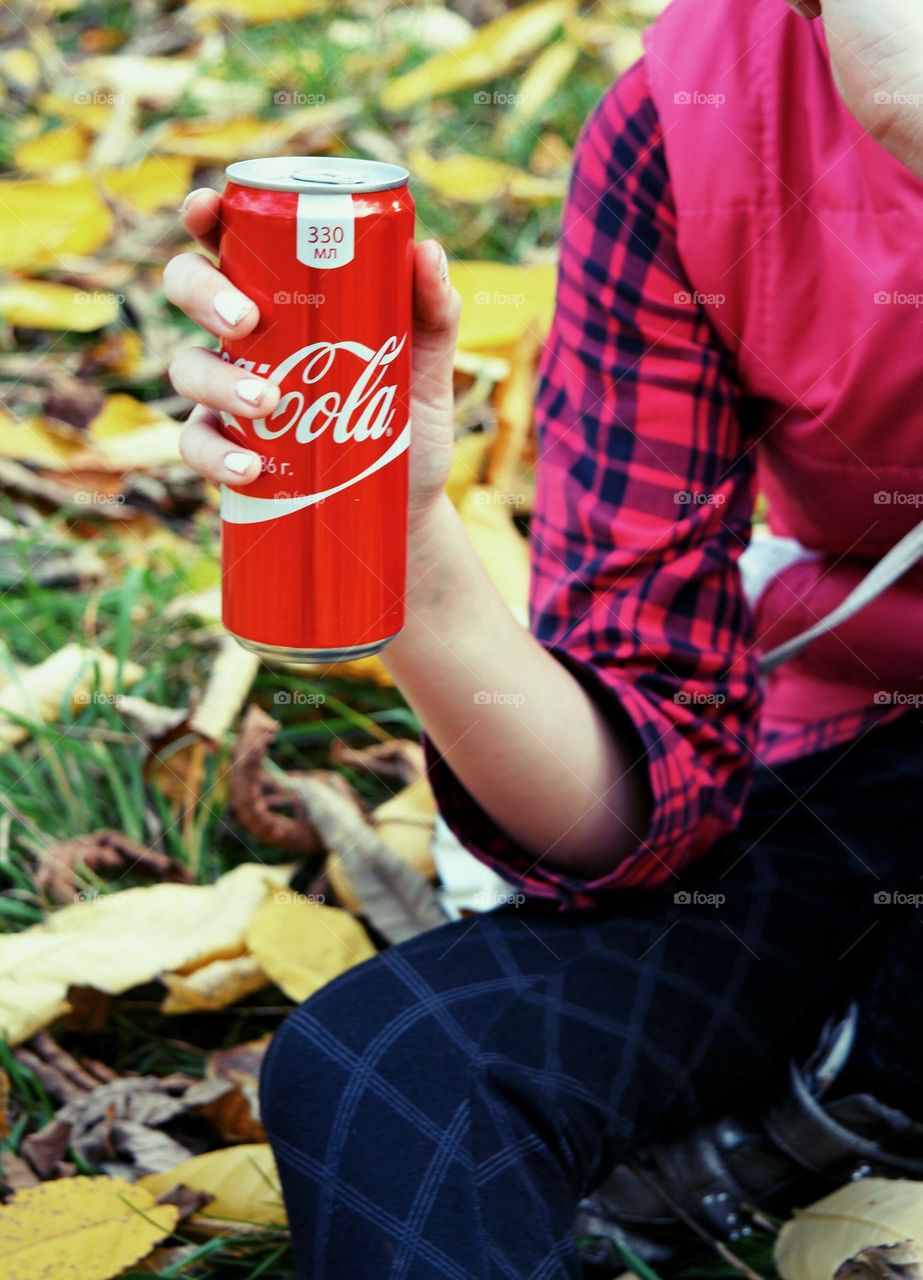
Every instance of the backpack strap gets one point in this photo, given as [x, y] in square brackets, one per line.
[903, 556]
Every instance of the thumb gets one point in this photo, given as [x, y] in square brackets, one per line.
[436, 306]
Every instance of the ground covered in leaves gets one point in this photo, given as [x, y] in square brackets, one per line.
[189, 841]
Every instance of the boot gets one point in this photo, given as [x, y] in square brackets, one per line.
[799, 1149]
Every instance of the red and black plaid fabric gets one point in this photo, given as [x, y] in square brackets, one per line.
[644, 505]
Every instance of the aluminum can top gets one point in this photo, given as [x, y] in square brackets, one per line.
[317, 174]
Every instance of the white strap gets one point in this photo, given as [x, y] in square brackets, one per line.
[894, 565]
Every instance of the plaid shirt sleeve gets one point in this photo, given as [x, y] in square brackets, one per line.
[643, 507]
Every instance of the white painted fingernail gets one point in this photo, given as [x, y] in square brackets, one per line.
[238, 463]
[232, 306]
[192, 195]
[443, 266]
[251, 390]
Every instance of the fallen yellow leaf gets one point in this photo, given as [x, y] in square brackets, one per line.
[494, 49]
[32, 440]
[243, 1180]
[861, 1215]
[42, 304]
[256, 11]
[479, 179]
[116, 941]
[80, 1229]
[303, 945]
[42, 221]
[158, 182]
[487, 516]
[69, 677]
[213, 986]
[405, 824]
[65, 144]
[500, 301]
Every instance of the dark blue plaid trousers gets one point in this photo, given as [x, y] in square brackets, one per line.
[437, 1112]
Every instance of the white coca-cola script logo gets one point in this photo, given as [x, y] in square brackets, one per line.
[365, 413]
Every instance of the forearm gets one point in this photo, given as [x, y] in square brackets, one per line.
[517, 728]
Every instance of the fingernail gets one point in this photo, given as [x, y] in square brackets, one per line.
[251, 390]
[443, 266]
[192, 195]
[232, 306]
[238, 463]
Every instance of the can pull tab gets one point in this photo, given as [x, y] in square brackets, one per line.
[329, 177]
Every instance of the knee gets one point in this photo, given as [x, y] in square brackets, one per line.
[316, 1049]
[366, 1045]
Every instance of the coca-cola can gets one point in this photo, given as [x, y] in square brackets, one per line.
[314, 550]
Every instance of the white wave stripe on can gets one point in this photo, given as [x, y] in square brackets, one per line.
[244, 508]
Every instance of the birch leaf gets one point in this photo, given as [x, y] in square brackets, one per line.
[500, 301]
[302, 945]
[493, 50]
[122, 939]
[243, 1181]
[40, 222]
[80, 1229]
[42, 304]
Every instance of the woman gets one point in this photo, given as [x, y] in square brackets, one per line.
[705, 854]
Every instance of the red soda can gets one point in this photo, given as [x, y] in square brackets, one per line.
[314, 550]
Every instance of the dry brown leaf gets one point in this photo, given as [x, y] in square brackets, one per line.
[861, 1216]
[396, 899]
[62, 861]
[400, 758]
[80, 1229]
[15, 1172]
[263, 806]
[117, 1126]
[124, 939]
[303, 945]
[884, 1262]
[237, 1113]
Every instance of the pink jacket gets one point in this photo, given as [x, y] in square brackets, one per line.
[805, 240]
